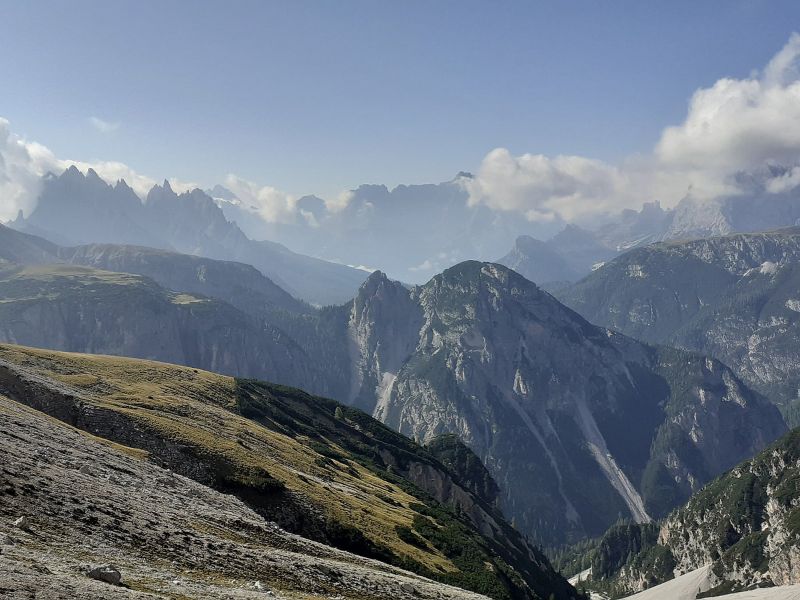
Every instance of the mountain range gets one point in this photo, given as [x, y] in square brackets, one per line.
[478, 351]
[481, 352]
[733, 297]
[74, 209]
[410, 231]
[655, 366]
[577, 250]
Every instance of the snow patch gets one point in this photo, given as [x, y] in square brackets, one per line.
[793, 304]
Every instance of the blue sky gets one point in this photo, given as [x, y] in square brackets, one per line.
[316, 97]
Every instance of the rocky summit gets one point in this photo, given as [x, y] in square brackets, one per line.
[549, 401]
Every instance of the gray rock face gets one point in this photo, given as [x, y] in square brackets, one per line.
[733, 297]
[547, 400]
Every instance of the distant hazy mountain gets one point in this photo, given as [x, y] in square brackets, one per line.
[237, 284]
[754, 209]
[577, 425]
[20, 248]
[66, 307]
[735, 297]
[565, 257]
[77, 209]
[410, 232]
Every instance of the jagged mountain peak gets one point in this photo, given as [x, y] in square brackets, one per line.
[72, 172]
[121, 184]
[375, 278]
[377, 288]
[525, 241]
[476, 270]
[159, 193]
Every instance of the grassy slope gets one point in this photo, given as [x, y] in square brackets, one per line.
[293, 448]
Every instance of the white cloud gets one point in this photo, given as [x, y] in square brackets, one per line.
[734, 126]
[309, 218]
[340, 202]
[784, 183]
[425, 265]
[103, 126]
[544, 188]
[272, 205]
[22, 164]
[738, 125]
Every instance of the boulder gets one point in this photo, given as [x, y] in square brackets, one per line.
[106, 573]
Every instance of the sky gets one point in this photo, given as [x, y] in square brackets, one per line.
[319, 97]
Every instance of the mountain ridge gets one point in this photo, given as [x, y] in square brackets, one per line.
[75, 209]
[492, 348]
[730, 297]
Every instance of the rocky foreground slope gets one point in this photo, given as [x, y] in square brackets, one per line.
[745, 525]
[733, 297]
[316, 468]
[88, 503]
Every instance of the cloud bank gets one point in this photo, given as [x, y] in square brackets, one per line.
[23, 163]
[734, 126]
[272, 205]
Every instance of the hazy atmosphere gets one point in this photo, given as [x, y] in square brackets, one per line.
[423, 300]
[561, 114]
